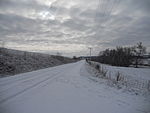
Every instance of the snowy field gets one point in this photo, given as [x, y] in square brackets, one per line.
[137, 79]
[69, 89]
[142, 73]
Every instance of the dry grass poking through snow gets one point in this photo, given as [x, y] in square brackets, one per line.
[132, 79]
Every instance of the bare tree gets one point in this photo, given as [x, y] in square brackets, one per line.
[139, 51]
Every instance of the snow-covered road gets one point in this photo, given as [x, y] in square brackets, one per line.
[65, 89]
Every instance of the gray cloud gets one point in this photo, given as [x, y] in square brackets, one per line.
[72, 26]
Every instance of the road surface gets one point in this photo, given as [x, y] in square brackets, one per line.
[64, 89]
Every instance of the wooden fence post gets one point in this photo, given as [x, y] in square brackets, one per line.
[148, 85]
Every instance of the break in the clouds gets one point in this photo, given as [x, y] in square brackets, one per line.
[70, 27]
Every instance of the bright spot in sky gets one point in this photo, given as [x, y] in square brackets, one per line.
[46, 15]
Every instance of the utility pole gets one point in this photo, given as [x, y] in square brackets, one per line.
[2, 44]
[90, 52]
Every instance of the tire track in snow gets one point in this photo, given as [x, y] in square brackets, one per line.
[28, 88]
[24, 76]
[20, 81]
[56, 75]
[24, 79]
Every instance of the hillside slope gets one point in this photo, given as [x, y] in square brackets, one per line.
[14, 61]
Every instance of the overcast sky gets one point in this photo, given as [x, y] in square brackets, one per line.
[71, 26]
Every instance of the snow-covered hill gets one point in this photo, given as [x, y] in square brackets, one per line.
[14, 61]
[66, 89]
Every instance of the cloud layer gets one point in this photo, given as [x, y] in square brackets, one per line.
[70, 27]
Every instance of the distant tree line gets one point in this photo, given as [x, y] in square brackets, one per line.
[123, 56]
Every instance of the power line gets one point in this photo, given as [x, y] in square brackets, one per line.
[2, 44]
[115, 5]
[90, 51]
[107, 11]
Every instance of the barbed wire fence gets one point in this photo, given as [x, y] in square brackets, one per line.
[119, 79]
